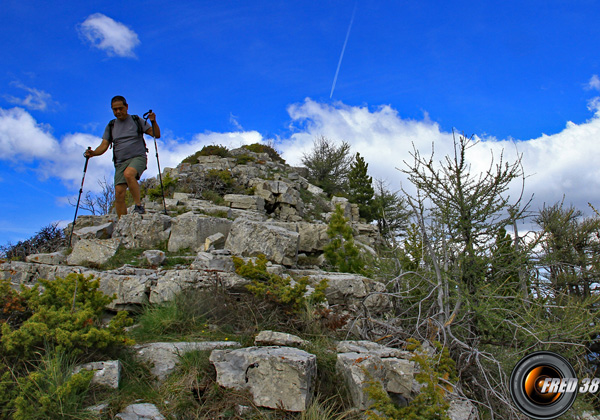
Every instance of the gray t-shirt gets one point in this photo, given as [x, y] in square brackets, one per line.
[126, 141]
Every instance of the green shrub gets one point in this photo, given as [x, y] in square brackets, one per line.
[430, 404]
[168, 186]
[276, 288]
[210, 150]
[68, 324]
[52, 391]
[243, 159]
[263, 148]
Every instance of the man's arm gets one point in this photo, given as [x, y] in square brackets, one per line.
[155, 129]
[99, 150]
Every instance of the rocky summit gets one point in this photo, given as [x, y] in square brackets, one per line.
[269, 209]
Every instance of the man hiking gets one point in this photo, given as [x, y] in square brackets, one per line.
[125, 135]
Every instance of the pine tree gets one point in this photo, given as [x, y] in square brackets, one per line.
[341, 252]
[360, 186]
[328, 165]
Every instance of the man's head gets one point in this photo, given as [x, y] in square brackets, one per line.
[119, 107]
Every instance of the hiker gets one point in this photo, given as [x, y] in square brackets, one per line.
[125, 135]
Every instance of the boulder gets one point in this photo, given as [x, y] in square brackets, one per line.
[143, 231]
[181, 197]
[358, 369]
[244, 202]
[103, 231]
[190, 230]
[313, 236]
[249, 238]
[154, 257]
[144, 411]
[165, 356]
[19, 272]
[216, 241]
[277, 377]
[130, 287]
[53, 258]
[353, 290]
[105, 373]
[95, 251]
[171, 282]
[208, 261]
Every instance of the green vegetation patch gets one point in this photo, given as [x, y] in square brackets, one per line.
[263, 148]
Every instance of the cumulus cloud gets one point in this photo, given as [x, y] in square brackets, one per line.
[36, 100]
[564, 163]
[561, 164]
[22, 138]
[109, 35]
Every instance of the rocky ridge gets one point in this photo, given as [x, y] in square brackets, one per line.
[283, 217]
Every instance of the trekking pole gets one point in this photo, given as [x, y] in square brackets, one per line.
[158, 163]
[87, 158]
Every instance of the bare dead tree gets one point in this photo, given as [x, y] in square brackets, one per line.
[101, 203]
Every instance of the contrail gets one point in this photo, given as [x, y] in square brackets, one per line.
[343, 49]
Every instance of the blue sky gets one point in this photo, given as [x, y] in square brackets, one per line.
[521, 76]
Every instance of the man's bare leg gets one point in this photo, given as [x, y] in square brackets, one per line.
[120, 205]
[134, 188]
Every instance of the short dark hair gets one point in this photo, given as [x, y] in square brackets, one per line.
[117, 99]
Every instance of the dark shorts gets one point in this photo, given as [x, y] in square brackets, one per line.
[139, 163]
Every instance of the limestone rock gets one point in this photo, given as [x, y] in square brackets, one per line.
[142, 231]
[365, 346]
[144, 411]
[395, 375]
[208, 261]
[53, 258]
[313, 236]
[131, 289]
[96, 251]
[154, 257]
[248, 238]
[103, 231]
[275, 376]
[171, 282]
[166, 356]
[353, 290]
[105, 373]
[465, 410]
[244, 202]
[191, 230]
[273, 338]
[19, 272]
[216, 241]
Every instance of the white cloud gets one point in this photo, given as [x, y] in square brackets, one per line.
[594, 83]
[109, 35]
[36, 100]
[563, 163]
[22, 138]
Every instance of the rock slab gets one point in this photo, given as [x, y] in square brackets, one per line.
[277, 377]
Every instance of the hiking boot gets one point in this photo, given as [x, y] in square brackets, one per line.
[139, 209]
